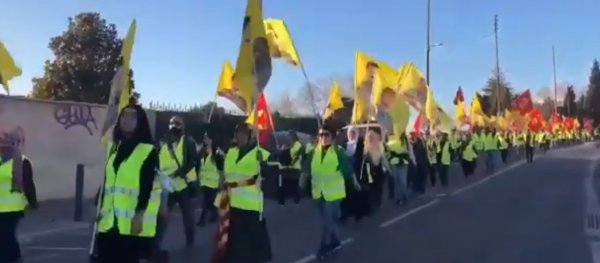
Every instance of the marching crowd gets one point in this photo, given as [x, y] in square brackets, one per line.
[347, 179]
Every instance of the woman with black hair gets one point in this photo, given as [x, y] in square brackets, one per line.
[242, 234]
[211, 172]
[130, 197]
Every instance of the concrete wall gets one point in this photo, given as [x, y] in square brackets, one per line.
[58, 136]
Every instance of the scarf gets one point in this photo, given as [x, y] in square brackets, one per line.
[222, 235]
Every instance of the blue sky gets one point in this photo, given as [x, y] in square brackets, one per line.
[181, 44]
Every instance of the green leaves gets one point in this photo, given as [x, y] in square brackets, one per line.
[85, 60]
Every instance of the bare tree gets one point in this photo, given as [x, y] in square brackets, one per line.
[313, 97]
[286, 106]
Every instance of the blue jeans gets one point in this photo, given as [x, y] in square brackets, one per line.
[330, 213]
[491, 160]
[400, 188]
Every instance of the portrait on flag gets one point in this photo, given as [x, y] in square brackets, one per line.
[417, 97]
[260, 53]
[366, 80]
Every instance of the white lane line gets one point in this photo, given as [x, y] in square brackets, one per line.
[592, 211]
[42, 258]
[27, 237]
[595, 247]
[487, 178]
[56, 248]
[409, 213]
[312, 257]
[592, 205]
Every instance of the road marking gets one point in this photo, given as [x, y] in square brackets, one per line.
[409, 213]
[312, 257]
[489, 177]
[595, 247]
[42, 258]
[592, 205]
[56, 248]
[27, 237]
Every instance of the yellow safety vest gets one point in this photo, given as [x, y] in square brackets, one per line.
[9, 201]
[295, 154]
[503, 143]
[432, 151]
[446, 153]
[469, 153]
[491, 142]
[244, 197]
[396, 147]
[454, 142]
[168, 165]
[478, 139]
[121, 191]
[209, 175]
[326, 178]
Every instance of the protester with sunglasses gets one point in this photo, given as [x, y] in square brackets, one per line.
[328, 168]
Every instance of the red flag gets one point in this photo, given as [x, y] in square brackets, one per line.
[588, 124]
[523, 103]
[535, 120]
[418, 123]
[263, 120]
[459, 97]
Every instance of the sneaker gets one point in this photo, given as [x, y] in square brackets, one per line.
[322, 252]
[335, 245]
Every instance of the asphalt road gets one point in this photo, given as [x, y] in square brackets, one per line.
[524, 213]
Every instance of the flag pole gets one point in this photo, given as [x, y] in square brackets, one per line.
[428, 42]
[498, 95]
[555, 85]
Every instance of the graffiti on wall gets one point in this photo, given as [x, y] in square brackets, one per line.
[72, 115]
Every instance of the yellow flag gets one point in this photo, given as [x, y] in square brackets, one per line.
[253, 67]
[280, 40]
[400, 114]
[8, 68]
[413, 86]
[385, 80]
[366, 69]
[335, 101]
[430, 107]
[476, 108]
[460, 112]
[225, 88]
[443, 121]
[120, 92]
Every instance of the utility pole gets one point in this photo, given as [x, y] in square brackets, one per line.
[428, 49]
[555, 85]
[498, 95]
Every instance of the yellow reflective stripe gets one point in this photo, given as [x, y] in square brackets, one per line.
[323, 178]
[168, 169]
[129, 192]
[12, 199]
[333, 190]
[246, 193]
[128, 214]
[232, 177]
[5, 187]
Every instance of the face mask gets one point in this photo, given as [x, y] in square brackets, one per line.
[175, 131]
